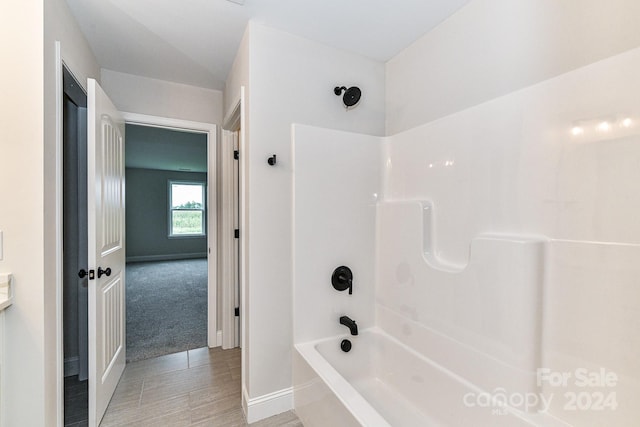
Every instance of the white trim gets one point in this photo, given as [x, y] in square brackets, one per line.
[267, 405]
[212, 142]
[231, 124]
[218, 338]
[212, 236]
[245, 400]
[169, 123]
[233, 119]
[167, 257]
[244, 240]
[59, 253]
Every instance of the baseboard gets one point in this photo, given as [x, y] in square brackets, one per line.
[245, 399]
[267, 405]
[71, 366]
[168, 257]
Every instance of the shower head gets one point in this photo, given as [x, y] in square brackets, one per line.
[351, 95]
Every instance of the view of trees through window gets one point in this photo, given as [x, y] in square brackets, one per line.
[187, 208]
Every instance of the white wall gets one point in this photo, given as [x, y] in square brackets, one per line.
[492, 47]
[239, 73]
[21, 215]
[28, 214]
[337, 182]
[291, 80]
[136, 94]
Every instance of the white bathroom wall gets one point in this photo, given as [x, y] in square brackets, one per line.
[291, 80]
[557, 159]
[21, 217]
[490, 48]
[27, 217]
[238, 75]
[137, 94]
[336, 186]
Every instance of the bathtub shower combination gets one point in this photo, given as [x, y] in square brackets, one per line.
[450, 274]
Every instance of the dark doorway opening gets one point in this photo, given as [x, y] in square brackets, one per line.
[75, 302]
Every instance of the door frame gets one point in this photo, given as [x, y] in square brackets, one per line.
[214, 337]
[59, 90]
[237, 116]
[228, 256]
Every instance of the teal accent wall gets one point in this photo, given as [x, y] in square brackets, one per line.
[148, 215]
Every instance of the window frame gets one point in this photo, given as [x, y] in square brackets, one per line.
[171, 209]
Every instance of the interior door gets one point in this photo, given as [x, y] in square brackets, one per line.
[106, 249]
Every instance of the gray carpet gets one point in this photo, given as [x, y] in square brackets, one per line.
[166, 307]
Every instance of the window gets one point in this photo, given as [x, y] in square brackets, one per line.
[186, 209]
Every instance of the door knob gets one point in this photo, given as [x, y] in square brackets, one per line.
[106, 272]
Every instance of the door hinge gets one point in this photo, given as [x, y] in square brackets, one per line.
[236, 154]
[236, 233]
[237, 312]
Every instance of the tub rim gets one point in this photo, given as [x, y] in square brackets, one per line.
[355, 403]
[360, 407]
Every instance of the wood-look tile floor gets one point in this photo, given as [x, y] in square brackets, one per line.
[194, 388]
[76, 402]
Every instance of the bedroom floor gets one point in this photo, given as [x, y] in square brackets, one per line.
[166, 307]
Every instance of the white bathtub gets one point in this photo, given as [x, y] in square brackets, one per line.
[381, 382]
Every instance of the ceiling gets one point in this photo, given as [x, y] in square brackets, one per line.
[165, 149]
[195, 41]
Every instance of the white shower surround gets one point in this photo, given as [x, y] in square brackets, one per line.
[516, 166]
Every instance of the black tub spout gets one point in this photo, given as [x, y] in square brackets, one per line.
[351, 324]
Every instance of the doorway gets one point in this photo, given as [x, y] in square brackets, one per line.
[166, 229]
[74, 243]
[209, 132]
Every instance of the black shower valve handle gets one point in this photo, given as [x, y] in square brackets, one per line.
[342, 279]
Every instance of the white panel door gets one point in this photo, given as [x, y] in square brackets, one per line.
[106, 250]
